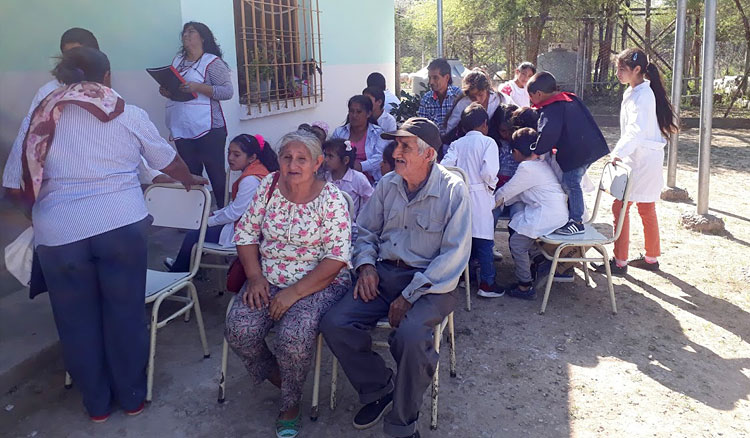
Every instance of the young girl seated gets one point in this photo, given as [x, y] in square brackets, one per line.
[255, 158]
[338, 162]
[544, 208]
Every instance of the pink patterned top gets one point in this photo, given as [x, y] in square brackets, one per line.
[296, 237]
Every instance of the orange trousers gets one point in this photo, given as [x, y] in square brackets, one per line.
[647, 211]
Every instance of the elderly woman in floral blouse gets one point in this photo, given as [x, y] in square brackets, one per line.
[293, 242]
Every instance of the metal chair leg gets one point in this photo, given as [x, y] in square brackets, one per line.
[467, 286]
[435, 381]
[316, 380]
[609, 279]
[452, 344]
[152, 350]
[550, 278]
[334, 381]
[224, 359]
[199, 319]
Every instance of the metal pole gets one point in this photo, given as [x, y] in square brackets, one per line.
[439, 28]
[707, 104]
[677, 69]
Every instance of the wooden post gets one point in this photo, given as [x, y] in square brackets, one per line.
[397, 61]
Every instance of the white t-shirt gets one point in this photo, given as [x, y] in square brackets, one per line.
[390, 99]
[519, 96]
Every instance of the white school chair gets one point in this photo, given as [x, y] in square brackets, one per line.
[171, 206]
[616, 181]
[460, 172]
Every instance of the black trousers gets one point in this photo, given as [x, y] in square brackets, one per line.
[208, 152]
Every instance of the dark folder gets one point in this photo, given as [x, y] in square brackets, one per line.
[169, 78]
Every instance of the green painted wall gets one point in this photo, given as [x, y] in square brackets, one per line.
[144, 33]
[135, 33]
[357, 31]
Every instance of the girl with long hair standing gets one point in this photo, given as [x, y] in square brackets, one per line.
[646, 120]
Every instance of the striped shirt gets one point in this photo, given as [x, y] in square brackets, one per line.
[12, 174]
[90, 181]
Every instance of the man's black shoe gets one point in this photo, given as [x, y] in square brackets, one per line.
[371, 413]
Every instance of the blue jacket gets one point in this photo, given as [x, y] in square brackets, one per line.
[566, 124]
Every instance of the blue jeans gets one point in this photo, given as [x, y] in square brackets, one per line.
[506, 210]
[571, 183]
[481, 249]
[182, 261]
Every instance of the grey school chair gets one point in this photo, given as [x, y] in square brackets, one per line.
[616, 181]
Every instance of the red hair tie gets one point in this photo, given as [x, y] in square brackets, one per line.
[261, 140]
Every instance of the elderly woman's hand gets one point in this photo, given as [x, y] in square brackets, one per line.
[282, 302]
[257, 295]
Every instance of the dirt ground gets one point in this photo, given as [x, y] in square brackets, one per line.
[675, 361]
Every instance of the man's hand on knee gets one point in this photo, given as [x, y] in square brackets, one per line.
[367, 283]
[398, 309]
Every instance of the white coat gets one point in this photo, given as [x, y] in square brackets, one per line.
[545, 204]
[191, 119]
[641, 144]
[477, 155]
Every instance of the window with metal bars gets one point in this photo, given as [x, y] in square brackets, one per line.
[278, 55]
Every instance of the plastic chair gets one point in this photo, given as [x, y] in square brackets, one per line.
[616, 181]
[171, 206]
[460, 172]
[436, 336]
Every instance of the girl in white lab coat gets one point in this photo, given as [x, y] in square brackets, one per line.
[646, 120]
[536, 188]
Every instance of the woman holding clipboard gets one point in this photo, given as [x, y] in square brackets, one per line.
[197, 125]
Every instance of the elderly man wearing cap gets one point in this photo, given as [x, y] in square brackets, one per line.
[414, 241]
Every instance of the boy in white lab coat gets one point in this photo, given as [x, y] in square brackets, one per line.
[545, 208]
[477, 155]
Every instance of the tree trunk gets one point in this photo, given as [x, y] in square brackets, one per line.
[535, 29]
[697, 43]
[743, 83]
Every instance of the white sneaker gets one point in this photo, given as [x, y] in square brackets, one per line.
[168, 262]
[497, 254]
[487, 291]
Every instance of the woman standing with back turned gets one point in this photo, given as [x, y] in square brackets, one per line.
[646, 119]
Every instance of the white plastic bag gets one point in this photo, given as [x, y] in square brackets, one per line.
[19, 255]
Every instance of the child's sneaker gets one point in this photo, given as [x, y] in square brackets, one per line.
[641, 263]
[617, 271]
[516, 292]
[489, 291]
[497, 255]
[571, 228]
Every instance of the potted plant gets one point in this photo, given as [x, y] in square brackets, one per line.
[261, 73]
